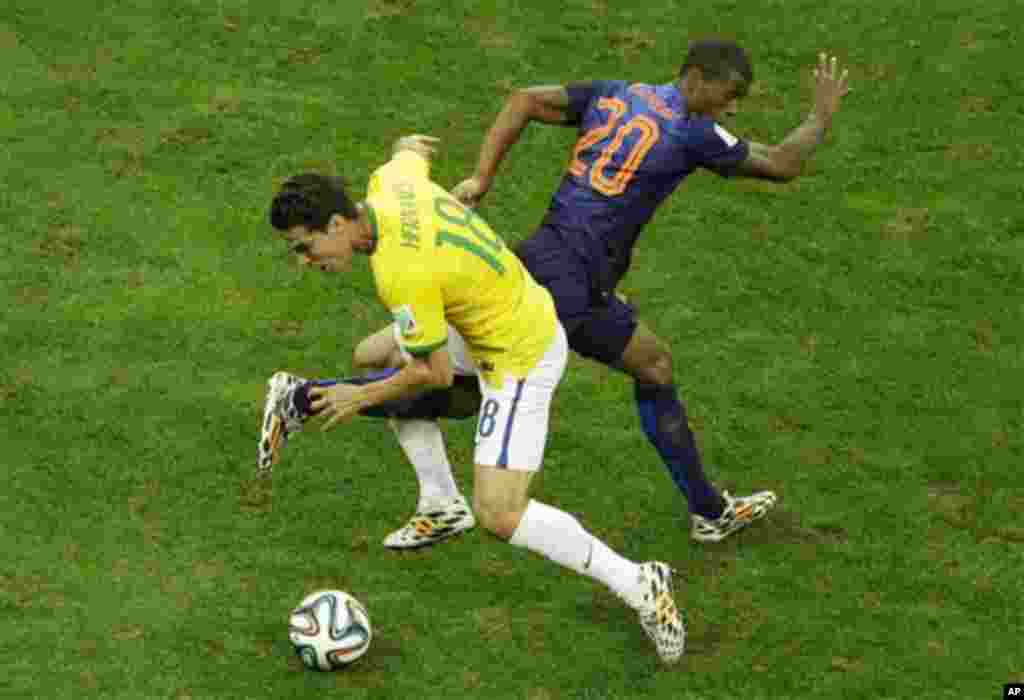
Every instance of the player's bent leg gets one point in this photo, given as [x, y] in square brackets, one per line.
[647, 358]
[502, 502]
[500, 497]
[714, 516]
[664, 421]
[442, 511]
[511, 435]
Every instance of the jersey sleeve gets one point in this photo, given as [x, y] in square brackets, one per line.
[418, 311]
[405, 165]
[581, 95]
[717, 150]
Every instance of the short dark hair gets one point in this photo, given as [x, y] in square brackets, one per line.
[718, 59]
[310, 200]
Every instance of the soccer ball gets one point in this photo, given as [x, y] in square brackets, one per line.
[329, 630]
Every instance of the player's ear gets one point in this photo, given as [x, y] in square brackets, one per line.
[335, 225]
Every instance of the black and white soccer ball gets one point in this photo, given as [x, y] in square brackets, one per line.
[329, 630]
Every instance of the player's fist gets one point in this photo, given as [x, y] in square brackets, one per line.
[470, 191]
[426, 146]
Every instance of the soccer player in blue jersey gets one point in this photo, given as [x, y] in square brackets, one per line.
[636, 144]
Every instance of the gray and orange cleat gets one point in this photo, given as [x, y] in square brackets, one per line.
[739, 513]
[280, 418]
[433, 523]
[659, 616]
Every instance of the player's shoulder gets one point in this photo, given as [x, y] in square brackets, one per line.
[663, 101]
[590, 90]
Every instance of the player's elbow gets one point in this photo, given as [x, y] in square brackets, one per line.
[521, 105]
[443, 379]
[786, 166]
[438, 375]
[789, 173]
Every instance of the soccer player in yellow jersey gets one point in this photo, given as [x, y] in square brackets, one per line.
[463, 303]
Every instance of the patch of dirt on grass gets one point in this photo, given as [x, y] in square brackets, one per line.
[908, 224]
[18, 386]
[630, 43]
[30, 296]
[817, 456]
[226, 104]
[970, 151]
[72, 72]
[984, 336]
[389, 8]
[185, 137]
[845, 664]
[121, 136]
[783, 526]
[488, 34]
[786, 424]
[130, 165]
[256, 494]
[951, 505]
[8, 39]
[128, 633]
[287, 328]
[304, 56]
[64, 242]
[495, 623]
[976, 104]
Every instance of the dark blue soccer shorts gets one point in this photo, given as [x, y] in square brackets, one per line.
[598, 324]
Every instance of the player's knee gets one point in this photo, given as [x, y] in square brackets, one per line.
[657, 369]
[497, 519]
[362, 358]
[368, 356]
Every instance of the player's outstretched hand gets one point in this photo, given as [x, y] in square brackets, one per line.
[830, 86]
[426, 146]
[335, 404]
[470, 191]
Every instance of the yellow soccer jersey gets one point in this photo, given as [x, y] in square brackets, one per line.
[438, 263]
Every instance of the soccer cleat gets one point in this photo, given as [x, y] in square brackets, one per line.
[659, 615]
[280, 417]
[739, 513]
[432, 524]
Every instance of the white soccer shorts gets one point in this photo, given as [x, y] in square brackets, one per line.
[512, 428]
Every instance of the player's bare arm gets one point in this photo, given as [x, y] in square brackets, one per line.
[548, 104]
[341, 402]
[785, 161]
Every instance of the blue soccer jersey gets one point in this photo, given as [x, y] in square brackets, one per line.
[636, 144]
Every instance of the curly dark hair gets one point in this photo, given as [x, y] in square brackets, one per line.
[719, 59]
[310, 200]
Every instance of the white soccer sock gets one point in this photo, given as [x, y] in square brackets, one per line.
[423, 444]
[560, 537]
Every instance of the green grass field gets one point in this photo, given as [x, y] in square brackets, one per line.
[852, 340]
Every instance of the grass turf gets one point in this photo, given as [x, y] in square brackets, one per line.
[852, 340]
